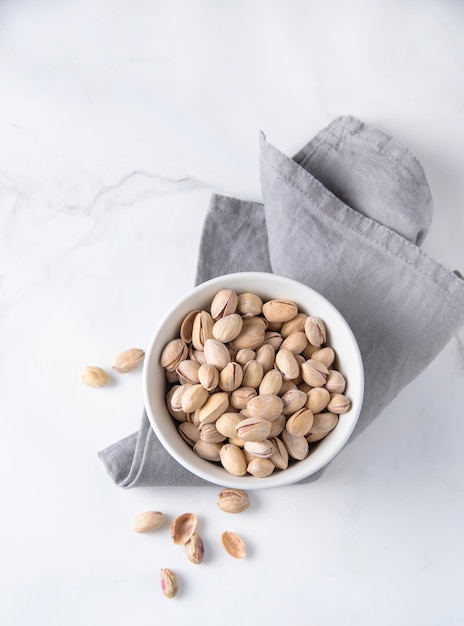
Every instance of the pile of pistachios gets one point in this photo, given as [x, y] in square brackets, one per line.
[252, 384]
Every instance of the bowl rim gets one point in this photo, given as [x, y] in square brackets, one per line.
[215, 474]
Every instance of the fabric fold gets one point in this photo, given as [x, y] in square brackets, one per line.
[345, 216]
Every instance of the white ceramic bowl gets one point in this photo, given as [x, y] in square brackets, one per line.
[267, 286]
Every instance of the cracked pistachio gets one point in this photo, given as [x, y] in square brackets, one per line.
[233, 500]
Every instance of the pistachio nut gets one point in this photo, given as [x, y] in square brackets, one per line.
[252, 374]
[169, 584]
[300, 422]
[293, 399]
[277, 426]
[271, 383]
[224, 303]
[233, 460]
[296, 343]
[94, 376]
[279, 454]
[208, 450]
[147, 521]
[174, 352]
[315, 331]
[189, 433]
[253, 429]
[128, 360]
[231, 377]
[273, 338]
[295, 325]
[245, 355]
[338, 403]
[183, 527]
[326, 355]
[197, 355]
[287, 364]
[286, 386]
[318, 399]
[214, 406]
[209, 432]
[227, 328]
[202, 329]
[233, 500]
[171, 377]
[216, 353]
[336, 382]
[261, 449]
[208, 376]
[233, 545]
[187, 371]
[194, 398]
[266, 356]
[239, 398]
[227, 423]
[249, 304]
[260, 467]
[297, 446]
[315, 373]
[194, 549]
[252, 334]
[267, 406]
[309, 351]
[279, 310]
[323, 424]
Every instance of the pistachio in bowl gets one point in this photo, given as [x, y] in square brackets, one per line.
[253, 380]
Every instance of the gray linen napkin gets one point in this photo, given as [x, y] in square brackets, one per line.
[345, 216]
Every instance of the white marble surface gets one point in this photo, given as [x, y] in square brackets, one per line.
[117, 121]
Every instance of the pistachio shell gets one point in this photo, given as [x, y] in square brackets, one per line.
[287, 364]
[233, 545]
[266, 356]
[227, 422]
[128, 360]
[286, 386]
[335, 382]
[169, 584]
[176, 394]
[232, 459]
[186, 327]
[318, 399]
[249, 304]
[174, 352]
[224, 303]
[147, 521]
[216, 353]
[233, 500]
[183, 527]
[227, 328]
[260, 467]
[315, 331]
[273, 338]
[279, 310]
[251, 335]
[194, 549]
[266, 406]
[315, 373]
[209, 432]
[245, 355]
[323, 424]
[277, 426]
